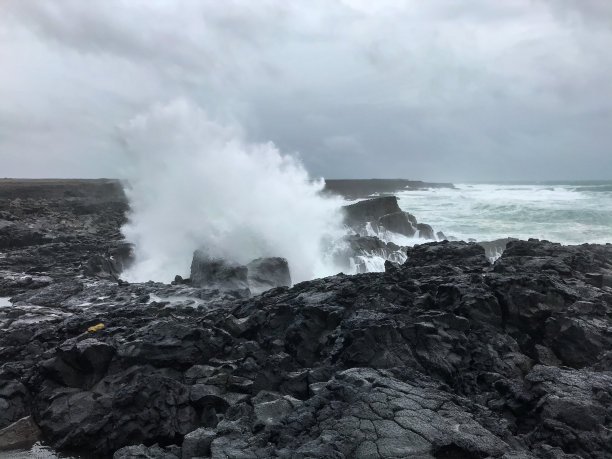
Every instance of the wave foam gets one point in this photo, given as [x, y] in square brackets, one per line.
[195, 183]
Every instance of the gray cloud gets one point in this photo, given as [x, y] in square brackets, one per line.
[439, 90]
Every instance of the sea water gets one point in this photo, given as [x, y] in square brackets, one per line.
[565, 212]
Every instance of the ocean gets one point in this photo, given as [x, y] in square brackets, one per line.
[565, 212]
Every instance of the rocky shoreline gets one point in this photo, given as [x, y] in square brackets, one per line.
[363, 188]
[443, 356]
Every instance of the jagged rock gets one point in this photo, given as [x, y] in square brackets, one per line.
[110, 265]
[385, 363]
[14, 401]
[444, 355]
[13, 283]
[266, 273]
[390, 266]
[425, 231]
[53, 295]
[447, 254]
[197, 443]
[399, 222]
[16, 235]
[271, 408]
[80, 364]
[217, 273]
[21, 434]
[134, 406]
[370, 210]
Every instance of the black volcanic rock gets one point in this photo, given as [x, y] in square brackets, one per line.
[425, 231]
[443, 356]
[254, 278]
[217, 273]
[383, 213]
[399, 222]
[266, 273]
[370, 210]
[13, 235]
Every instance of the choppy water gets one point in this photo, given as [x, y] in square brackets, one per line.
[570, 212]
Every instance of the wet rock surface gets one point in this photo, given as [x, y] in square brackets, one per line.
[382, 214]
[266, 273]
[442, 356]
[255, 277]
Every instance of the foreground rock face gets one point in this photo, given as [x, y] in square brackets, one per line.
[441, 356]
[444, 356]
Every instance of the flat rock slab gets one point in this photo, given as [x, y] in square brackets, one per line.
[21, 434]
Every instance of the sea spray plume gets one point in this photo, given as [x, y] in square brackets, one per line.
[194, 183]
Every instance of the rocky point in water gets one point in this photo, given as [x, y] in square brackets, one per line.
[443, 356]
[364, 188]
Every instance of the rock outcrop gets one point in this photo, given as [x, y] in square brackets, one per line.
[217, 273]
[267, 273]
[399, 222]
[254, 278]
[359, 189]
[370, 210]
[384, 214]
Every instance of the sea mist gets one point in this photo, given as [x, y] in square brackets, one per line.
[195, 183]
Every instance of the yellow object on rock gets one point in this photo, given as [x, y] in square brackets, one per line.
[95, 327]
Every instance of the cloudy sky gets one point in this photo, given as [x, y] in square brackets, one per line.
[448, 90]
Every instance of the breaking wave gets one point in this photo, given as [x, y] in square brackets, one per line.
[196, 183]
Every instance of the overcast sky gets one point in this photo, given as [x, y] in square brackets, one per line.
[447, 90]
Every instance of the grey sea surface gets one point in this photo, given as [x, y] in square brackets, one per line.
[565, 212]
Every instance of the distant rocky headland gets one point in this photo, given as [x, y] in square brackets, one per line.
[443, 355]
[362, 188]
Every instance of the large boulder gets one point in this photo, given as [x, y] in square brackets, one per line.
[21, 434]
[266, 273]
[217, 273]
[137, 405]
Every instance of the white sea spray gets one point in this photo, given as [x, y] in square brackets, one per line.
[197, 183]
